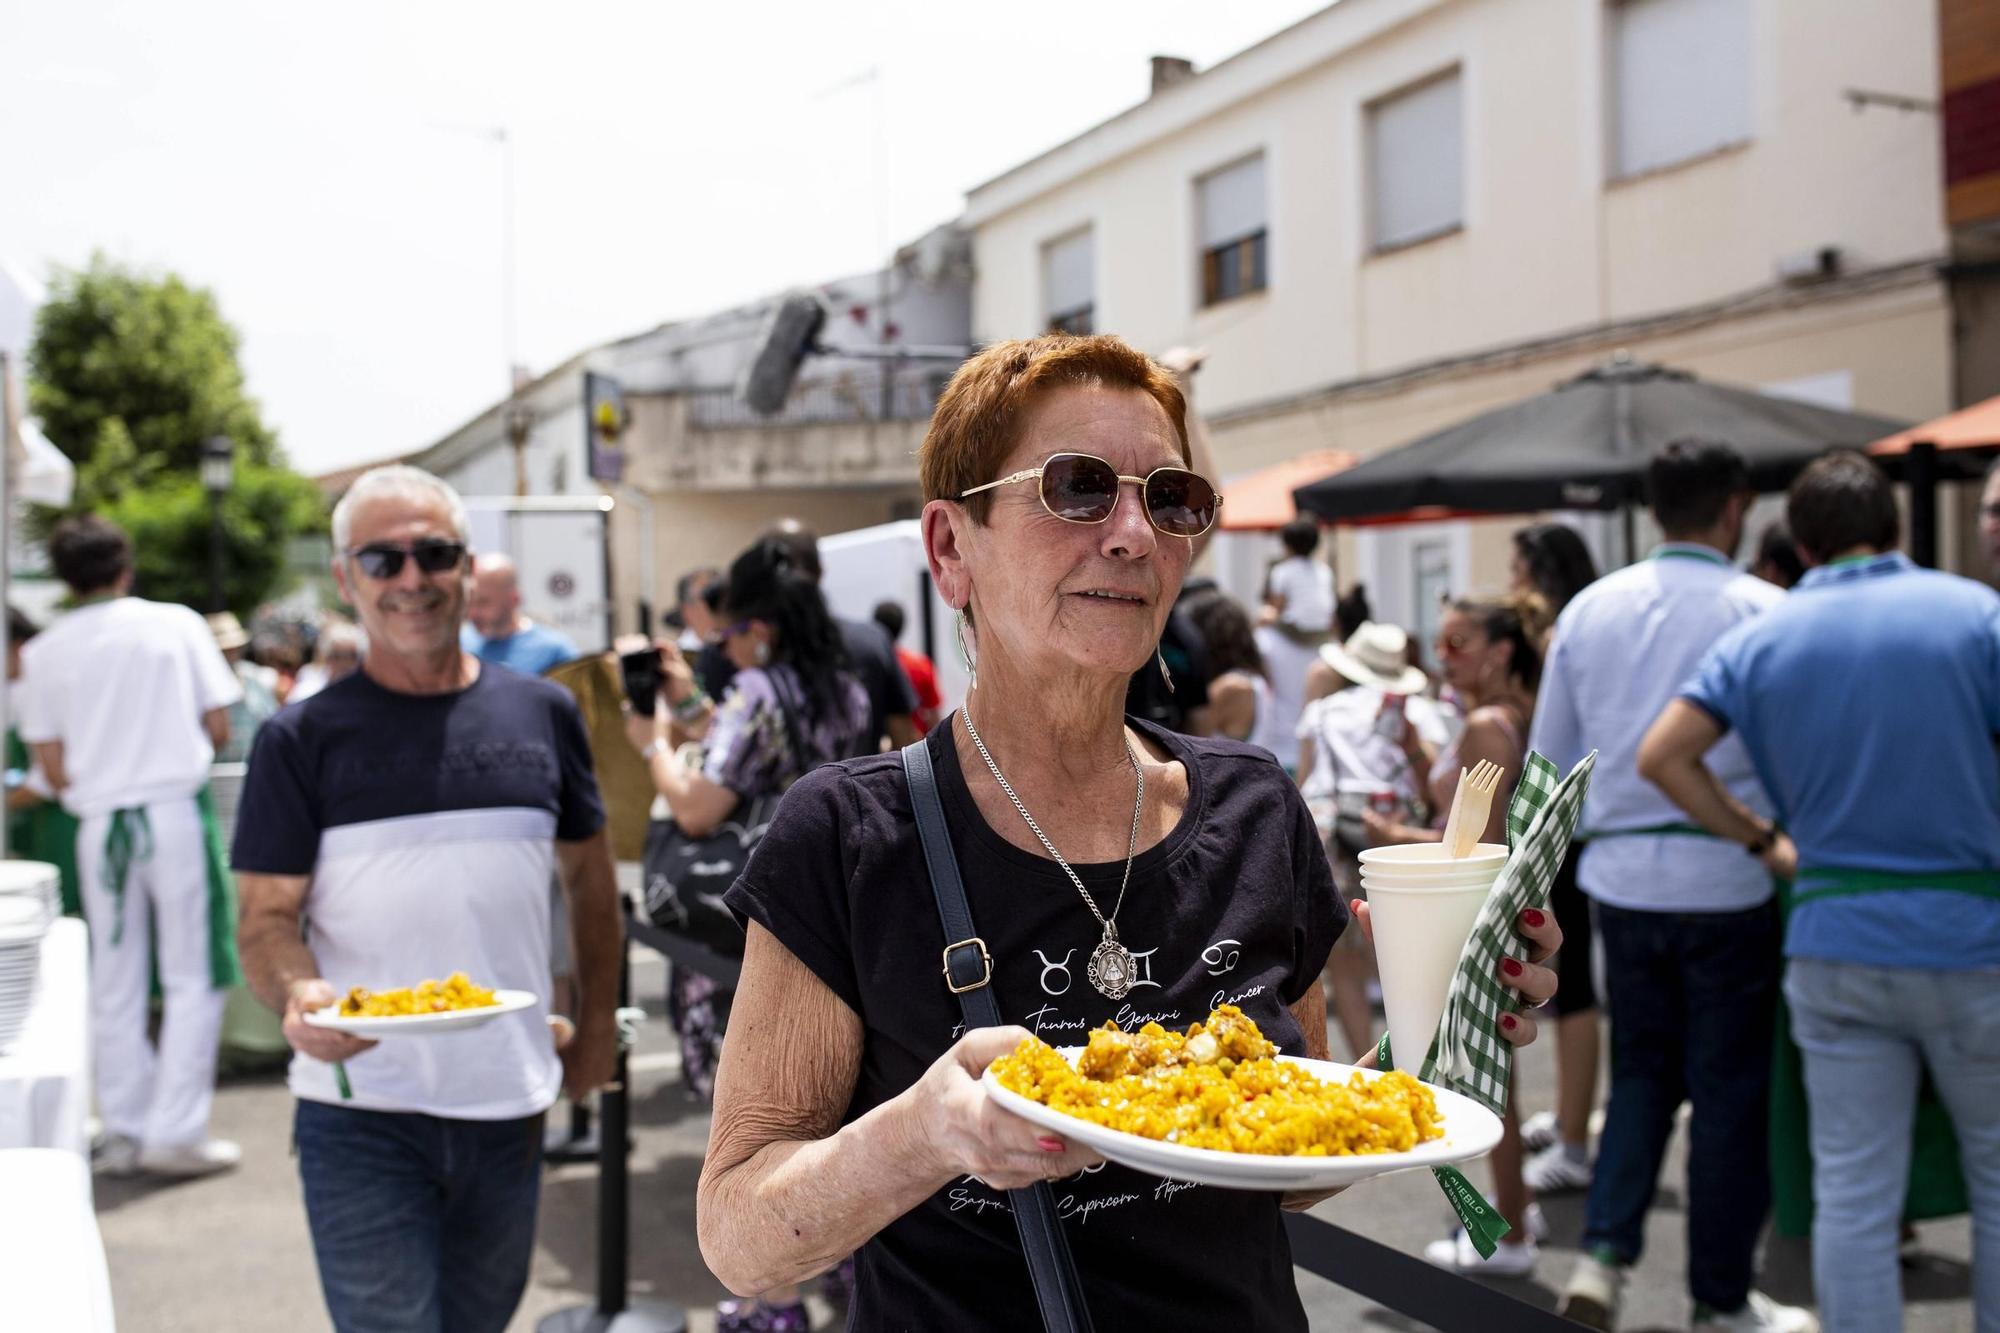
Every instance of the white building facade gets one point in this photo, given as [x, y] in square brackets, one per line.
[1399, 213]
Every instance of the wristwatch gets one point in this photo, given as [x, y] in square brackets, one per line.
[1762, 842]
[653, 747]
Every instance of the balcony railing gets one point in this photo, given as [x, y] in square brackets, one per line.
[894, 391]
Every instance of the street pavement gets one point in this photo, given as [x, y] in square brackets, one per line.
[231, 1254]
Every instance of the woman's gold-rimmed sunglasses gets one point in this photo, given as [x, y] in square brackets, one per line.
[1083, 488]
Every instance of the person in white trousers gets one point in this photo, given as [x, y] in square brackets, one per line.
[125, 702]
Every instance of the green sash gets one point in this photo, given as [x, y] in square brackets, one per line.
[1836, 883]
[44, 832]
[1937, 1182]
[130, 839]
[1650, 831]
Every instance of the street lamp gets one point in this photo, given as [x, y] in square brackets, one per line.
[520, 424]
[218, 472]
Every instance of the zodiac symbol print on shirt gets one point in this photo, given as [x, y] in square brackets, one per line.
[1062, 968]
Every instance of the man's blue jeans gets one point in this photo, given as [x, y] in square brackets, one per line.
[420, 1224]
[1693, 999]
[1866, 1033]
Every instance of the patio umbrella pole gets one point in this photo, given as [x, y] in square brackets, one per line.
[1921, 471]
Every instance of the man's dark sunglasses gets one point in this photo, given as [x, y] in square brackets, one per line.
[384, 560]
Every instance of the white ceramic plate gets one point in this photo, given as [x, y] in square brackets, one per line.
[422, 1025]
[1470, 1130]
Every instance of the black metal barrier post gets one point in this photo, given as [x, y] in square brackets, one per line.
[1411, 1286]
[1390, 1278]
[614, 1311]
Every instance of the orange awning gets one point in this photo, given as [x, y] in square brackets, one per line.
[1975, 427]
[1262, 501]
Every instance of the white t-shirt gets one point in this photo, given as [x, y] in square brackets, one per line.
[123, 685]
[1307, 587]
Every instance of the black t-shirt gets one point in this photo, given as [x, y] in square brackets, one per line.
[356, 753]
[1237, 905]
[872, 659]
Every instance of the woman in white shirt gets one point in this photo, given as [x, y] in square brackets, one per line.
[1297, 615]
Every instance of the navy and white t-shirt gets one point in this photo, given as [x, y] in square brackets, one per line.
[1235, 906]
[427, 824]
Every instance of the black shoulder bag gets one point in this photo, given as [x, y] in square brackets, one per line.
[685, 876]
[967, 970]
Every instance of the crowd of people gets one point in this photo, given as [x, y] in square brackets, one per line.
[1154, 794]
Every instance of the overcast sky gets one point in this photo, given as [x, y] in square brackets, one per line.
[324, 169]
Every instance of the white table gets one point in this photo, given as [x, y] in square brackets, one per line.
[52, 1270]
[45, 1075]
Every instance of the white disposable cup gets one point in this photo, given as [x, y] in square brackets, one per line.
[1478, 879]
[1428, 858]
[1420, 934]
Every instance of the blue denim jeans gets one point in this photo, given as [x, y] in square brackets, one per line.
[1866, 1033]
[1693, 999]
[419, 1224]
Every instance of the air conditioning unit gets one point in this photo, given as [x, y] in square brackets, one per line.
[1808, 266]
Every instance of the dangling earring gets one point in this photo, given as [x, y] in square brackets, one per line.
[964, 657]
[1165, 674]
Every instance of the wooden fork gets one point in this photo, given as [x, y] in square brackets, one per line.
[1470, 807]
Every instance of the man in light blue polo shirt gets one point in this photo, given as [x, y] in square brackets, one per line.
[1689, 923]
[1869, 703]
[495, 630]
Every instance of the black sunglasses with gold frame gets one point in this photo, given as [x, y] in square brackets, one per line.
[1083, 488]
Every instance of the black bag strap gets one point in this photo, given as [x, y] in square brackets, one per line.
[802, 763]
[968, 968]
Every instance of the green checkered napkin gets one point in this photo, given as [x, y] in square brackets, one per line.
[1469, 1055]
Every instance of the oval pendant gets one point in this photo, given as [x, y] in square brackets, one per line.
[1110, 969]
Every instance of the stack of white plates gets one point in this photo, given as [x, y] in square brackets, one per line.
[24, 919]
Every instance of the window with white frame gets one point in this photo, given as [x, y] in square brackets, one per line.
[1229, 210]
[1416, 157]
[1680, 80]
[1069, 284]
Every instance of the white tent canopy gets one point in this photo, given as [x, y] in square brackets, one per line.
[45, 475]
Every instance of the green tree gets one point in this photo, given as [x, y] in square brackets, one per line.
[169, 525]
[129, 374]
[152, 352]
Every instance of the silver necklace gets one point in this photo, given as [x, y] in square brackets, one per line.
[1110, 969]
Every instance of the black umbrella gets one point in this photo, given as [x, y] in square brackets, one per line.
[1585, 445]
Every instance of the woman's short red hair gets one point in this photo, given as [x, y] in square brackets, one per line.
[978, 418]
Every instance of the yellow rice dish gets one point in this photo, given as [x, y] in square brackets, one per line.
[1219, 1086]
[430, 997]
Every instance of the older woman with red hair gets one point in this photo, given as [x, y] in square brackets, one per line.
[1114, 871]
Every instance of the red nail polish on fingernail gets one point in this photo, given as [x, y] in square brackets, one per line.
[1534, 918]
[1050, 1144]
[1510, 967]
[1509, 1022]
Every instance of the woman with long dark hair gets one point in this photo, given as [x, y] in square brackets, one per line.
[1551, 561]
[1489, 649]
[791, 706]
[1239, 686]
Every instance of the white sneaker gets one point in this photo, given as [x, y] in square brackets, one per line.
[1593, 1294]
[1760, 1314]
[191, 1159]
[118, 1155]
[1456, 1252]
[1537, 1222]
[1539, 1130]
[1554, 1171]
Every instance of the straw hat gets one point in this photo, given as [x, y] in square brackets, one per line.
[1376, 655]
[227, 629]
